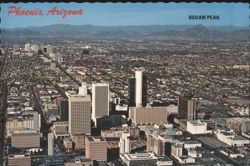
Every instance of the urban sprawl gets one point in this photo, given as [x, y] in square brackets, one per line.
[125, 103]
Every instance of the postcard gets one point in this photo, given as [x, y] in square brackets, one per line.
[124, 84]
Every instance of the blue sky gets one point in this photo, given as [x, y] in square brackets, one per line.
[119, 14]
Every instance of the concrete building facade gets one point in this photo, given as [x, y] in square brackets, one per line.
[144, 115]
[79, 114]
[96, 148]
[19, 160]
[100, 100]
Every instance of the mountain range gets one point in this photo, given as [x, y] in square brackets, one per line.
[126, 32]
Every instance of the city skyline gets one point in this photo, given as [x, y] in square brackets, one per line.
[150, 84]
[119, 14]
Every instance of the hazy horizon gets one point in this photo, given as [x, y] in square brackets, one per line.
[129, 14]
[125, 25]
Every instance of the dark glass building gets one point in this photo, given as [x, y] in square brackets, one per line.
[64, 110]
[131, 92]
[186, 107]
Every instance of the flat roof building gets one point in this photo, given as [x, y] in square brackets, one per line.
[61, 129]
[231, 138]
[19, 160]
[145, 115]
[79, 141]
[25, 139]
[96, 148]
[186, 107]
[197, 127]
[100, 100]
[79, 161]
[79, 114]
[145, 159]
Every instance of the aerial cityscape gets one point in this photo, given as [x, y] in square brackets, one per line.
[125, 95]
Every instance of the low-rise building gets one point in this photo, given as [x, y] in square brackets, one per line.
[28, 120]
[79, 141]
[191, 144]
[231, 138]
[60, 129]
[145, 115]
[68, 144]
[145, 159]
[117, 132]
[239, 124]
[79, 161]
[197, 127]
[19, 160]
[25, 139]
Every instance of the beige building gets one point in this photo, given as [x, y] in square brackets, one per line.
[79, 141]
[112, 133]
[60, 129]
[144, 115]
[79, 114]
[19, 160]
[28, 120]
[239, 124]
[68, 144]
[177, 149]
[96, 148]
[19, 124]
[25, 139]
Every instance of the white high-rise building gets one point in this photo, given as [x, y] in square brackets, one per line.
[100, 100]
[79, 114]
[83, 90]
[27, 47]
[124, 143]
[50, 144]
[138, 88]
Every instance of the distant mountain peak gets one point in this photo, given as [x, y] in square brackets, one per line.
[199, 28]
[133, 31]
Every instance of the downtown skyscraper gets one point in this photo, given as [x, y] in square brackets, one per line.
[137, 90]
[100, 100]
[79, 114]
[186, 107]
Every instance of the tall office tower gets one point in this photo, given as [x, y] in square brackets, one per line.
[131, 92]
[79, 114]
[140, 89]
[50, 144]
[124, 144]
[186, 107]
[100, 100]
